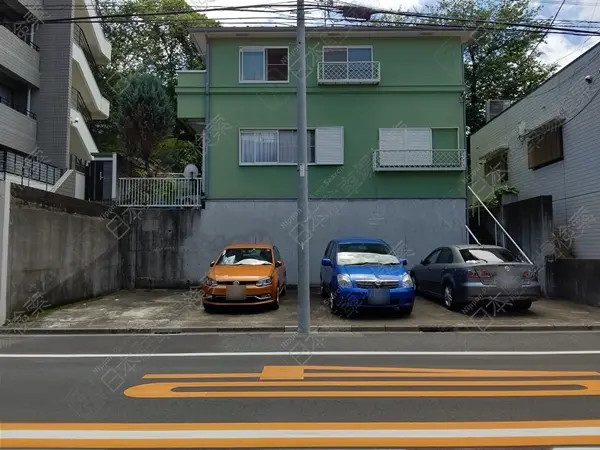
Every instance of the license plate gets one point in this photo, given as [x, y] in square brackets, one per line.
[379, 297]
[236, 293]
[508, 281]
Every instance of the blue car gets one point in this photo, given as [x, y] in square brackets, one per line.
[364, 273]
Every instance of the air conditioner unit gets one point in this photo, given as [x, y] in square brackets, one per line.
[495, 107]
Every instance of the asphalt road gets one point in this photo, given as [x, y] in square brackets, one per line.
[282, 391]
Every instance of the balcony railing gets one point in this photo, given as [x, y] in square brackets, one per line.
[434, 160]
[27, 167]
[78, 104]
[17, 108]
[81, 40]
[159, 192]
[23, 32]
[354, 72]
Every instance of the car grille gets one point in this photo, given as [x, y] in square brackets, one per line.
[229, 283]
[373, 285]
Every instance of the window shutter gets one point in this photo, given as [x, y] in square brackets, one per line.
[419, 139]
[392, 139]
[330, 145]
[419, 142]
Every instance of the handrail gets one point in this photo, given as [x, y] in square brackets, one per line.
[472, 235]
[12, 105]
[21, 31]
[500, 225]
[28, 167]
[81, 40]
[79, 104]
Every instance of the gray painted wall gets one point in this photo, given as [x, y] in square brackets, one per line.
[52, 102]
[19, 58]
[173, 248]
[59, 249]
[574, 182]
[17, 130]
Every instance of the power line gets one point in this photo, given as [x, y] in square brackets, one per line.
[546, 34]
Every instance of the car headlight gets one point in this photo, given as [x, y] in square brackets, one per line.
[265, 281]
[210, 282]
[406, 281]
[344, 281]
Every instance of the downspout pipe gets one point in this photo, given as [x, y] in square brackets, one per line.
[206, 140]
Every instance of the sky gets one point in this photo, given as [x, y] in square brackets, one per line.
[560, 49]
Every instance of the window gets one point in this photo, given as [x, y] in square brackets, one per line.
[273, 146]
[495, 168]
[545, 146]
[327, 250]
[445, 257]
[277, 254]
[366, 254]
[268, 147]
[246, 256]
[348, 63]
[488, 255]
[432, 257]
[261, 65]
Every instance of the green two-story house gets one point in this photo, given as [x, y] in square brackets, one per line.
[386, 136]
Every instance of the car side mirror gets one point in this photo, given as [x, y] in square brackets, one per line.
[212, 263]
[326, 262]
[423, 262]
[404, 261]
[278, 264]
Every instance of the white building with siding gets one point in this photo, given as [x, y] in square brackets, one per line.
[548, 143]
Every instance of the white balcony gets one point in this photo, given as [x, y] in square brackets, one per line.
[100, 46]
[84, 81]
[430, 160]
[354, 72]
[19, 57]
[82, 143]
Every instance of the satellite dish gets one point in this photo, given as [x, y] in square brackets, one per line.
[190, 171]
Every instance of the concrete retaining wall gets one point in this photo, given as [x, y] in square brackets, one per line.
[574, 279]
[174, 248]
[57, 250]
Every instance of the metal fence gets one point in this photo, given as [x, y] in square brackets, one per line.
[159, 192]
[28, 168]
[384, 160]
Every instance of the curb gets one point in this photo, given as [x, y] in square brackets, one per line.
[293, 329]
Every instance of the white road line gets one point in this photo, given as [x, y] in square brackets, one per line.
[297, 434]
[320, 353]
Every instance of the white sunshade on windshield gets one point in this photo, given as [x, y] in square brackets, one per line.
[346, 258]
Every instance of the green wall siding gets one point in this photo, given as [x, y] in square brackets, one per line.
[421, 85]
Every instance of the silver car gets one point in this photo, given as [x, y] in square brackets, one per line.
[466, 275]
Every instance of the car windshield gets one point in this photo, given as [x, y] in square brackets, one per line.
[356, 254]
[246, 257]
[488, 255]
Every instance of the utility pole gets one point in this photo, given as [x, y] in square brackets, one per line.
[303, 230]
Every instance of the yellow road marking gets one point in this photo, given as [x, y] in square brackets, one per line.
[307, 435]
[548, 383]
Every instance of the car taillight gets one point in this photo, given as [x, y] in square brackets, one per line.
[529, 275]
[474, 274]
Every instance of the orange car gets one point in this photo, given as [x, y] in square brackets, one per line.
[243, 275]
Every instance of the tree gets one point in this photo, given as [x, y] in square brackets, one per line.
[502, 62]
[174, 154]
[145, 115]
[150, 39]
[145, 40]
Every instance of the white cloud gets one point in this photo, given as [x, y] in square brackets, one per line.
[561, 48]
[558, 49]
